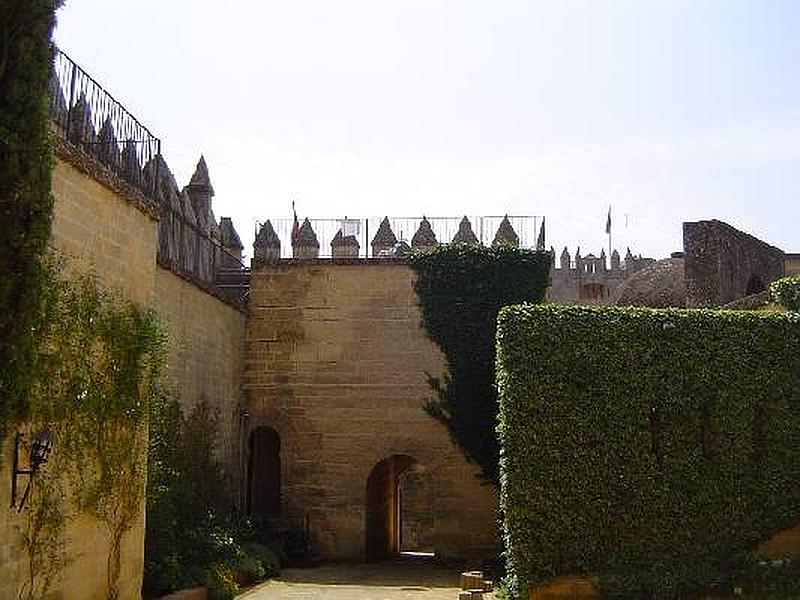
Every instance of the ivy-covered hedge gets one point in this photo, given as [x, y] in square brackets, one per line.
[461, 289]
[786, 292]
[653, 448]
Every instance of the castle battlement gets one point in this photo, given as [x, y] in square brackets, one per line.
[388, 237]
[591, 279]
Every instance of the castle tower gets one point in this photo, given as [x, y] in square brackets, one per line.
[384, 240]
[231, 245]
[267, 246]
[344, 246]
[424, 238]
[200, 192]
[465, 235]
[565, 261]
[305, 244]
[505, 236]
[615, 260]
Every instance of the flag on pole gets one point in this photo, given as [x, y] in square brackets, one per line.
[608, 221]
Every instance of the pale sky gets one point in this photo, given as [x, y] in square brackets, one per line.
[667, 111]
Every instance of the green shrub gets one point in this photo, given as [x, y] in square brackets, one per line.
[266, 558]
[653, 448]
[786, 292]
[220, 579]
[461, 288]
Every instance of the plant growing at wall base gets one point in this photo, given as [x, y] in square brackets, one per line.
[461, 288]
[96, 372]
[190, 538]
[786, 292]
[25, 199]
[654, 448]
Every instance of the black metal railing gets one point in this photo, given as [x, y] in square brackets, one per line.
[91, 118]
[445, 228]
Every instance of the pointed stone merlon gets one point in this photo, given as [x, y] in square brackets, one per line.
[344, 246]
[267, 246]
[201, 191]
[615, 260]
[505, 236]
[465, 235]
[630, 262]
[384, 241]
[565, 262]
[231, 244]
[424, 238]
[305, 245]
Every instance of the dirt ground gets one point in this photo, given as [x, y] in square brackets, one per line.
[381, 581]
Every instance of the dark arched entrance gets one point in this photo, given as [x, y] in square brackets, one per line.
[755, 285]
[399, 505]
[264, 474]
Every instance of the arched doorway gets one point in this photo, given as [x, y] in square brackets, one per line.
[264, 473]
[755, 285]
[399, 509]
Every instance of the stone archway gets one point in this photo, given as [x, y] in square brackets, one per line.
[264, 473]
[755, 285]
[399, 505]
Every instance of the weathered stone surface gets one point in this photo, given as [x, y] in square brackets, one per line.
[659, 285]
[424, 238]
[305, 244]
[344, 246]
[723, 264]
[384, 240]
[465, 235]
[231, 245]
[335, 362]
[267, 245]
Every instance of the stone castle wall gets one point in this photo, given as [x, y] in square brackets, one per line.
[335, 362]
[722, 264]
[204, 362]
[99, 230]
[104, 226]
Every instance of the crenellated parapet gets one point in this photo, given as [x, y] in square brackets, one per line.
[591, 279]
[384, 238]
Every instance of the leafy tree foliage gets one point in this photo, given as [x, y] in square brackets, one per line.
[25, 199]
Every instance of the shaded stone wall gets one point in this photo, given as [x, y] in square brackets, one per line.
[108, 231]
[206, 338]
[722, 264]
[335, 361]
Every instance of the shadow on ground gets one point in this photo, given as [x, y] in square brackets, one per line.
[374, 581]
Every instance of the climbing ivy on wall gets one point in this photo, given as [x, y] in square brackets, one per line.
[95, 377]
[653, 448]
[461, 288]
[25, 199]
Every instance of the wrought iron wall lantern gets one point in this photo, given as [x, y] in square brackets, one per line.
[40, 450]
